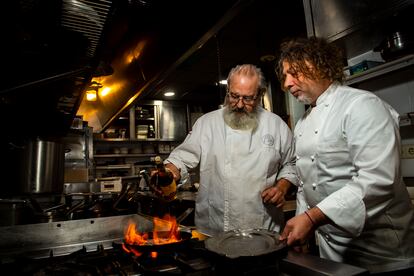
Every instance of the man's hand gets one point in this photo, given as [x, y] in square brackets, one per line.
[300, 227]
[153, 183]
[276, 194]
[297, 230]
[174, 170]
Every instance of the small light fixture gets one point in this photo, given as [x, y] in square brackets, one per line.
[169, 94]
[223, 82]
[92, 91]
[91, 95]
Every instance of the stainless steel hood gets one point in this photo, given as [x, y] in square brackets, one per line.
[147, 41]
[55, 49]
[50, 50]
[187, 47]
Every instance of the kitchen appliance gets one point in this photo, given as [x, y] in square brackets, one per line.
[396, 44]
[41, 166]
[247, 243]
[91, 247]
[37, 173]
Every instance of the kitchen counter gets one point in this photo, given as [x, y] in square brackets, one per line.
[306, 264]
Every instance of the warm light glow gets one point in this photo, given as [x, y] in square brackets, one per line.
[165, 231]
[135, 53]
[169, 94]
[105, 91]
[91, 95]
[130, 100]
[223, 82]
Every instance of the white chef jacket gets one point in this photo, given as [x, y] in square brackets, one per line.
[348, 161]
[235, 167]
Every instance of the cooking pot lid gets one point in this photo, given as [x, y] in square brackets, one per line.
[243, 243]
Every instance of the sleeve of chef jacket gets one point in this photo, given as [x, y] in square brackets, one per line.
[187, 154]
[287, 166]
[373, 144]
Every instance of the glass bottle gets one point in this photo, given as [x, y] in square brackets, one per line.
[163, 182]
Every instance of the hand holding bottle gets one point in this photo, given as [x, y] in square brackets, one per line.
[162, 181]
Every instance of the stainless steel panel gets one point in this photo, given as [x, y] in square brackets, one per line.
[61, 238]
[335, 19]
[357, 26]
[42, 167]
[173, 121]
[79, 146]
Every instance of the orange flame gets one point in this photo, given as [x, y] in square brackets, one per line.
[168, 222]
[165, 231]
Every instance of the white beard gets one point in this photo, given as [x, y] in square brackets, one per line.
[240, 120]
[304, 99]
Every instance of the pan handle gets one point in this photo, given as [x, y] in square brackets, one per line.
[184, 215]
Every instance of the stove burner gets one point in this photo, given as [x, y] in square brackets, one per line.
[113, 262]
[100, 262]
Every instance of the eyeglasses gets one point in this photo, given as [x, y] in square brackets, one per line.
[245, 99]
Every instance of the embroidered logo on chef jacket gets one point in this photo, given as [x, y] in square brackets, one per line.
[268, 140]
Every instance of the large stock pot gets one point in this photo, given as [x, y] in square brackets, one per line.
[41, 165]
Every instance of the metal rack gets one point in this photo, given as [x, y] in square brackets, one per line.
[382, 69]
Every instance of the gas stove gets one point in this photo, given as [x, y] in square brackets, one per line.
[94, 247]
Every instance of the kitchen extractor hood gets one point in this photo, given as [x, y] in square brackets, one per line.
[146, 41]
[50, 51]
[53, 50]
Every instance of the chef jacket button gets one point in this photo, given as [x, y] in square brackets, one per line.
[326, 105]
[316, 131]
[312, 157]
[314, 186]
[297, 157]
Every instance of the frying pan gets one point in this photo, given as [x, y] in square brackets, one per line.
[246, 243]
[150, 246]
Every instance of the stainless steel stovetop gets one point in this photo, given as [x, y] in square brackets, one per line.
[91, 247]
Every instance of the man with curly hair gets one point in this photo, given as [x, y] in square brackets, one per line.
[347, 143]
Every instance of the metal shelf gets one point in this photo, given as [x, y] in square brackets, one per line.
[381, 69]
[110, 155]
[122, 177]
[114, 167]
[122, 140]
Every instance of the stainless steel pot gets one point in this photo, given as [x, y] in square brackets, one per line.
[42, 165]
[15, 211]
[396, 44]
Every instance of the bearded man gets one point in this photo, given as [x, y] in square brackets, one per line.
[246, 159]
